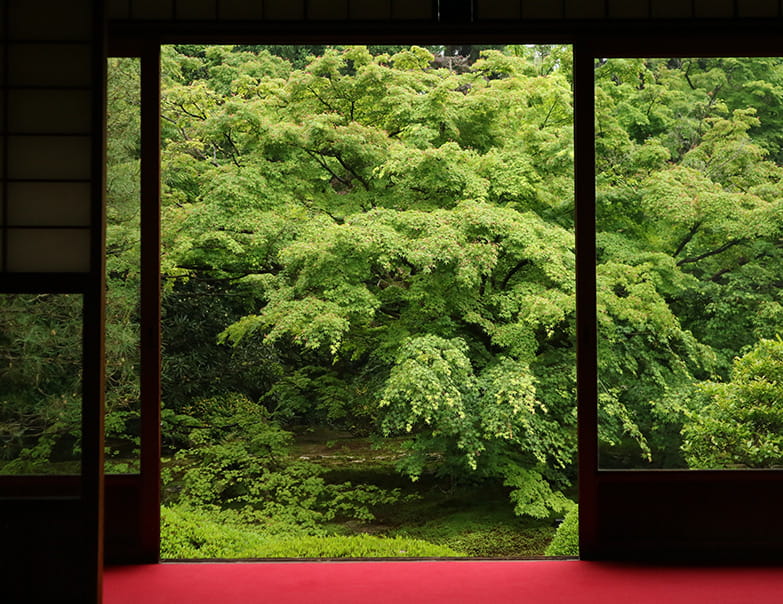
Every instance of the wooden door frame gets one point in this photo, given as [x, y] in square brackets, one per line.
[133, 500]
[654, 515]
[663, 515]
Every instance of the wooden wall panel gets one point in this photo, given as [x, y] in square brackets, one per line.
[702, 517]
[758, 8]
[44, 552]
[124, 520]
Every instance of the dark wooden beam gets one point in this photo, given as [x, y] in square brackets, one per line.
[150, 338]
[586, 355]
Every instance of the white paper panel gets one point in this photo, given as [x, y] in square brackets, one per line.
[369, 10]
[49, 157]
[118, 9]
[670, 9]
[196, 9]
[326, 10]
[276, 10]
[498, 9]
[49, 111]
[71, 20]
[152, 9]
[542, 9]
[48, 204]
[48, 250]
[585, 9]
[49, 65]
[714, 8]
[629, 9]
[241, 9]
[412, 9]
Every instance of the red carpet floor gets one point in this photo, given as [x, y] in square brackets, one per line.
[452, 582]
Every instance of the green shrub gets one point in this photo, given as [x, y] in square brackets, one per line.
[739, 423]
[566, 541]
[189, 533]
[483, 533]
[355, 546]
[503, 541]
[238, 459]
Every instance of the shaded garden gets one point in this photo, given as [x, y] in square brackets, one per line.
[368, 294]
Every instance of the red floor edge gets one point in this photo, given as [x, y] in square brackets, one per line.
[439, 582]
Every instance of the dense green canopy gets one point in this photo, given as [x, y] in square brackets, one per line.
[381, 241]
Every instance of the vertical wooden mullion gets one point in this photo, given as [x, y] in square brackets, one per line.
[92, 429]
[93, 332]
[150, 336]
[586, 338]
[4, 165]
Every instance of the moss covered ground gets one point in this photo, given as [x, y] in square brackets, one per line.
[434, 517]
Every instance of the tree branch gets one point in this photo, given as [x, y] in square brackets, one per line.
[325, 104]
[517, 267]
[234, 151]
[340, 159]
[548, 115]
[201, 117]
[714, 252]
[687, 239]
[319, 158]
[688, 77]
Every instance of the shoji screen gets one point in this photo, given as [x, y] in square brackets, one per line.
[48, 113]
[51, 234]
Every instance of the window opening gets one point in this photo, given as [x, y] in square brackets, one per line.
[368, 300]
[688, 172]
[40, 384]
[123, 261]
